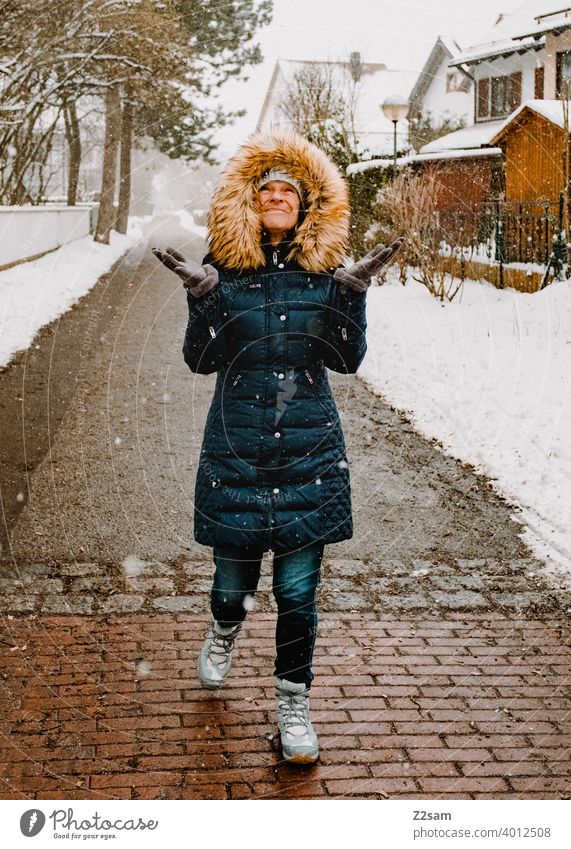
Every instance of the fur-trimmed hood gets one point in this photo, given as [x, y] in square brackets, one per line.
[234, 220]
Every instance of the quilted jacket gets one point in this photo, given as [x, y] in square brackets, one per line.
[273, 470]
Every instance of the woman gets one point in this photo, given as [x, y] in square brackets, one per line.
[270, 310]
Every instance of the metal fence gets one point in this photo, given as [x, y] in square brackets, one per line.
[505, 231]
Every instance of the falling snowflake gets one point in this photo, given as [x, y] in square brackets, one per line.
[132, 566]
[118, 440]
[143, 668]
[343, 464]
[249, 603]
[20, 496]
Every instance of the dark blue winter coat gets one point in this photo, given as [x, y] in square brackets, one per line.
[273, 468]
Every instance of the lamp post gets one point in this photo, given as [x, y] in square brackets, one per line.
[395, 108]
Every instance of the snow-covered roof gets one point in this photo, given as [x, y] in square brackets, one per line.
[450, 44]
[464, 153]
[558, 20]
[467, 153]
[506, 36]
[466, 139]
[289, 67]
[359, 167]
[551, 110]
[443, 50]
[494, 50]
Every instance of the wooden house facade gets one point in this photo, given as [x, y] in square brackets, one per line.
[533, 146]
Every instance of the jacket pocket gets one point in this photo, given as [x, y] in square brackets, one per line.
[223, 399]
[311, 381]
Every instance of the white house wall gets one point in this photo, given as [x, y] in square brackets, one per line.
[526, 63]
[273, 116]
[442, 104]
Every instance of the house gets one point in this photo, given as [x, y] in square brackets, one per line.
[504, 71]
[532, 141]
[513, 149]
[374, 82]
[525, 56]
[442, 93]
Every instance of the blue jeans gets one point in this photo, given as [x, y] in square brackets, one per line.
[295, 579]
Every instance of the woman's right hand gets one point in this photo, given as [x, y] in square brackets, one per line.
[197, 279]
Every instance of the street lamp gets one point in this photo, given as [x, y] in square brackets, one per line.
[395, 108]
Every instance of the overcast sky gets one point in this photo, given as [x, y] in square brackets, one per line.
[397, 32]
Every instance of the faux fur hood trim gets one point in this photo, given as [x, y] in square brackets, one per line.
[234, 221]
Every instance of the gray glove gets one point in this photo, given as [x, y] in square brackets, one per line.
[358, 276]
[197, 279]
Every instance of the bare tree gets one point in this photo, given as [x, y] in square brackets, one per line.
[320, 103]
[125, 163]
[410, 203]
[106, 217]
[169, 54]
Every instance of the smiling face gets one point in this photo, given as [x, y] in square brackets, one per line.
[280, 208]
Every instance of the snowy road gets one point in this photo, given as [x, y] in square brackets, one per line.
[116, 476]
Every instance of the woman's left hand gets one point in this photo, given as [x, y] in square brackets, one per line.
[358, 276]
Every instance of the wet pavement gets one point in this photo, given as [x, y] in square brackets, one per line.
[442, 664]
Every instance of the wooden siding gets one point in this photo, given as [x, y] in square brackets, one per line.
[513, 278]
[533, 149]
[539, 83]
[466, 183]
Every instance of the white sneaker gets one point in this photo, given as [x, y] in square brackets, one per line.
[299, 740]
[215, 657]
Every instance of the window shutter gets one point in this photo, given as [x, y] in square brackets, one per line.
[539, 82]
[483, 99]
[515, 90]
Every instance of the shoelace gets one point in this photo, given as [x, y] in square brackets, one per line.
[296, 712]
[220, 646]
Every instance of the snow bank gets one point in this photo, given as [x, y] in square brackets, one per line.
[489, 377]
[35, 293]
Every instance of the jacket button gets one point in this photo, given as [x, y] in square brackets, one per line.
[282, 318]
[277, 434]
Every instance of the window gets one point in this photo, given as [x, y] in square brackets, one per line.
[562, 72]
[454, 82]
[498, 96]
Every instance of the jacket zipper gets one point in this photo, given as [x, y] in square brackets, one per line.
[275, 257]
[316, 395]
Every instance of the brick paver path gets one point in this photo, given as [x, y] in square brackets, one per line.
[454, 706]
[442, 663]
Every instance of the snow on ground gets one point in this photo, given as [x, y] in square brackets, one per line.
[35, 293]
[489, 377]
